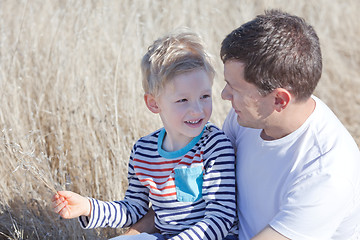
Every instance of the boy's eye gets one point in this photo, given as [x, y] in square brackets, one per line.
[182, 100]
[205, 96]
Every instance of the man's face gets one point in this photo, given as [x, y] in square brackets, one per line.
[252, 109]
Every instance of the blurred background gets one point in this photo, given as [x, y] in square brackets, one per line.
[71, 97]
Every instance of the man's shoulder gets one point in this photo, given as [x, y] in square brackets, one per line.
[328, 131]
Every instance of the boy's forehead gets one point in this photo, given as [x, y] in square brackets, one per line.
[183, 87]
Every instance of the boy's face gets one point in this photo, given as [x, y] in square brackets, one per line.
[185, 105]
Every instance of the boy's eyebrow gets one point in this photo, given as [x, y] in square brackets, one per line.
[181, 94]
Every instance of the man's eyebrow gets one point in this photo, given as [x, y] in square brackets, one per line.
[227, 82]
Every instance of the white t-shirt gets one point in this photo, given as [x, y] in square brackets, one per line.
[305, 185]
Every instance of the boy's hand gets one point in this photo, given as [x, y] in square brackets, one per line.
[145, 224]
[71, 205]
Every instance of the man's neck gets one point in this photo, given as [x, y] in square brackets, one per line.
[289, 120]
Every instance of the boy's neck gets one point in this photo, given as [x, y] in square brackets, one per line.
[172, 143]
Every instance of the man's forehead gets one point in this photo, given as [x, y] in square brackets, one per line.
[233, 69]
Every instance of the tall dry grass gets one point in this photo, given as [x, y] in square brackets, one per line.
[71, 98]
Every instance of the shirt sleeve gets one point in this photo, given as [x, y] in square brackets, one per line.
[119, 213]
[218, 191]
[231, 128]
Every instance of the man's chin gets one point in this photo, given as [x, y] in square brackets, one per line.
[245, 124]
[240, 122]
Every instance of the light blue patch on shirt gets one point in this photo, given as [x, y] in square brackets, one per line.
[188, 183]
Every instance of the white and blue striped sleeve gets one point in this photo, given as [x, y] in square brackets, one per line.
[120, 213]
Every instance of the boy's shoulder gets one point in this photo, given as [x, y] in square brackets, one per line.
[214, 140]
[212, 132]
[150, 138]
[212, 129]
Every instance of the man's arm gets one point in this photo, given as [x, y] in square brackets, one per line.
[145, 224]
[269, 233]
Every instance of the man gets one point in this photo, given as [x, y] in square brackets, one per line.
[298, 168]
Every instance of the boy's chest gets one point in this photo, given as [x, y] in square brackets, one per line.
[158, 174]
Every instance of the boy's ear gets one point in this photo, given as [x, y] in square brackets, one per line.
[151, 103]
[282, 99]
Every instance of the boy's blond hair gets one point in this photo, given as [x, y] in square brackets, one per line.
[176, 53]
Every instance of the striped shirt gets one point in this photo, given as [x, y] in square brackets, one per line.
[192, 190]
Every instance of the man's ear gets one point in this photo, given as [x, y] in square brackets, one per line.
[151, 103]
[282, 99]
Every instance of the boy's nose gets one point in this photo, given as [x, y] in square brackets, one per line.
[196, 108]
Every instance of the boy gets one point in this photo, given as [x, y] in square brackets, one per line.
[186, 169]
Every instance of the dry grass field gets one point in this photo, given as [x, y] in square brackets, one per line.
[71, 98]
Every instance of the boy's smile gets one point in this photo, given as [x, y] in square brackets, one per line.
[194, 124]
[185, 106]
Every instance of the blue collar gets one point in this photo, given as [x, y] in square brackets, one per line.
[178, 153]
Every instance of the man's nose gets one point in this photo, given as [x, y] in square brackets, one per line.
[225, 93]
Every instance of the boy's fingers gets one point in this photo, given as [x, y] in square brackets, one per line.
[64, 212]
[59, 207]
[56, 203]
[65, 194]
[59, 197]
[55, 197]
